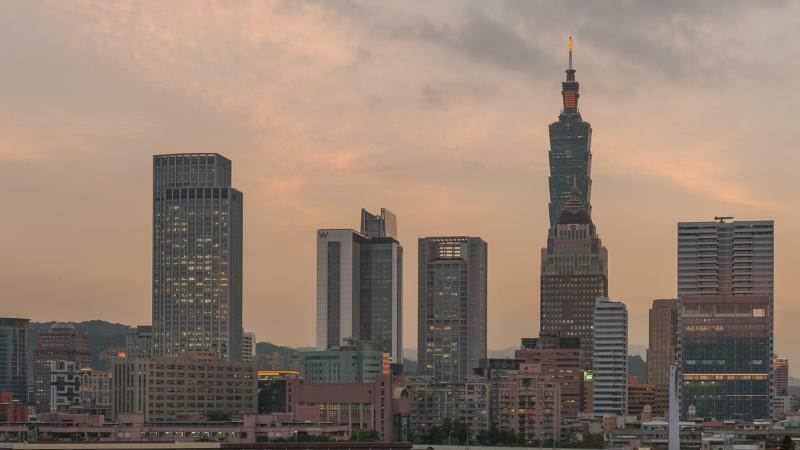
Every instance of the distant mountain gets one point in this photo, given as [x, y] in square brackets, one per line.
[637, 367]
[103, 336]
[269, 349]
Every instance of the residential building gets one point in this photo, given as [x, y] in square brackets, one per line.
[725, 350]
[640, 396]
[163, 388]
[610, 366]
[574, 264]
[780, 367]
[65, 386]
[432, 402]
[662, 351]
[726, 317]
[96, 389]
[359, 285]
[248, 346]
[561, 358]
[139, 342]
[353, 363]
[197, 256]
[13, 364]
[381, 406]
[61, 342]
[530, 404]
[493, 370]
[452, 301]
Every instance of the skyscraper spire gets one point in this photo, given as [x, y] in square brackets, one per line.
[570, 53]
[569, 89]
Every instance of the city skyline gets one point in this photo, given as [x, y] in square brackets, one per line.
[449, 151]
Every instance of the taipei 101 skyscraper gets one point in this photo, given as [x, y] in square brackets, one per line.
[574, 270]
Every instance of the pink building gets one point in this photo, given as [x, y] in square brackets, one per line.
[530, 403]
[382, 406]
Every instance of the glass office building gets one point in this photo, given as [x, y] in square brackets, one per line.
[13, 365]
[197, 256]
[452, 306]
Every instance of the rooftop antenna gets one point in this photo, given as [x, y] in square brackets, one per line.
[570, 53]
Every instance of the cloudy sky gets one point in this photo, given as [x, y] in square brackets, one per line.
[435, 110]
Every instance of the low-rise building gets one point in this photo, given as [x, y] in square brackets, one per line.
[355, 363]
[433, 402]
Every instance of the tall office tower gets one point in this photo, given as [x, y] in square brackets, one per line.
[563, 359]
[570, 151]
[452, 306]
[726, 317]
[61, 342]
[574, 270]
[248, 346]
[197, 256]
[725, 350]
[662, 351]
[359, 285]
[139, 342]
[780, 367]
[574, 274]
[13, 366]
[610, 391]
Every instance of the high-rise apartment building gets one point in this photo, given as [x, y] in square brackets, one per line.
[725, 350]
[359, 285]
[530, 404]
[780, 367]
[61, 342]
[562, 359]
[494, 370]
[197, 256]
[662, 351]
[726, 318]
[574, 265]
[248, 346]
[452, 306]
[433, 402]
[13, 365]
[610, 358]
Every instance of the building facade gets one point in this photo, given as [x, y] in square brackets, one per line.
[359, 285]
[350, 364]
[726, 314]
[434, 402]
[13, 364]
[65, 386]
[493, 370]
[640, 396]
[610, 365]
[452, 302]
[163, 388]
[780, 368]
[95, 388]
[381, 406]
[248, 346]
[197, 256]
[139, 342]
[662, 350]
[61, 342]
[530, 404]
[725, 350]
[562, 359]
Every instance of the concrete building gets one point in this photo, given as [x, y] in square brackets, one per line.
[432, 402]
[493, 370]
[610, 384]
[248, 346]
[349, 364]
[725, 350]
[662, 350]
[563, 359]
[65, 386]
[13, 364]
[530, 404]
[574, 264]
[641, 395]
[780, 367]
[96, 392]
[61, 342]
[197, 256]
[163, 388]
[359, 285]
[452, 306]
[139, 342]
[381, 406]
[12, 411]
[726, 317]
[272, 390]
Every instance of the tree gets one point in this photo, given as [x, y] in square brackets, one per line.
[218, 416]
[788, 443]
[364, 436]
